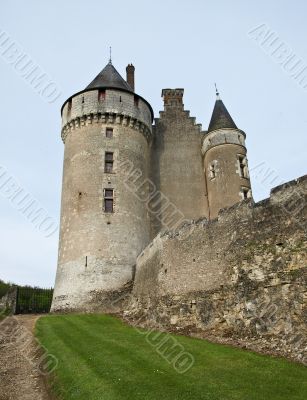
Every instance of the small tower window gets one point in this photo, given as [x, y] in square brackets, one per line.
[193, 304]
[136, 101]
[109, 133]
[212, 171]
[245, 193]
[243, 168]
[108, 200]
[101, 95]
[108, 162]
[82, 100]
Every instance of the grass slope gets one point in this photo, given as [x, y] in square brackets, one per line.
[102, 358]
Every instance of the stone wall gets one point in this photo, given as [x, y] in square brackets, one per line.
[176, 166]
[8, 301]
[240, 278]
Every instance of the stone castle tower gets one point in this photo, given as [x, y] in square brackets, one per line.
[125, 179]
[225, 161]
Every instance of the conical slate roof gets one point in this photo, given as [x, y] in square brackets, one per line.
[109, 78]
[220, 117]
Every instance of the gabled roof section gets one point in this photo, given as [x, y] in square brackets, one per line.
[220, 117]
[109, 77]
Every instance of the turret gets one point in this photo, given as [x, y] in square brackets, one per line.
[225, 161]
[104, 226]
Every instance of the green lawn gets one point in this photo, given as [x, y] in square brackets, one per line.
[102, 358]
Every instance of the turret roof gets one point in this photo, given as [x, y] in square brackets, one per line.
[220, 117]
[109, 77]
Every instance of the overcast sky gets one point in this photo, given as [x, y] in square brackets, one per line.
[242, 45]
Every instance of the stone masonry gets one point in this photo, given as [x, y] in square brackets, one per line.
[98, 248]
[158, 223]
[241, 276]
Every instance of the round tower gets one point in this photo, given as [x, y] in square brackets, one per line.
[225, 161]
[104, 226]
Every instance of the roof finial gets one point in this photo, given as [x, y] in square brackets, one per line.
[217, 92]
[110, 59]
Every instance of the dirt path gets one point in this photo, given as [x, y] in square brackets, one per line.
[20, 372]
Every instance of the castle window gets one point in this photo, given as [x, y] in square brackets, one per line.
[82, 101]
[108, 200]
[193, 304]
[245, 193]
[108, 162]
[243, 168]
[212, 171]
[101, 95]
[136, 101]
[109, 132]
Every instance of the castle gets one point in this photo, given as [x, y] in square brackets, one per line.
[158, 223]
[128, 176]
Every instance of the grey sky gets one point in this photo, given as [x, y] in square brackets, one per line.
[189, 44]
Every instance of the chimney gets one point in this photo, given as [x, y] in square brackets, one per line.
[173, 99]
[130, 75]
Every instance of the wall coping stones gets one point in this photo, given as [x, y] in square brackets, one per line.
[285, 186]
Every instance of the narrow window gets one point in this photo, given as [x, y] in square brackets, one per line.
[109, 132]
[120, 99]
[193, 304]
[212, 172]
[241, 165]
[108, 200]
[136, 101]
[101, 95]
[69, 109]
[243, 169]
[246, 193]
[82, 101]
[108, 162]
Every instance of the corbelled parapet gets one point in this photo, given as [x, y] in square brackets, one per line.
[111, 106]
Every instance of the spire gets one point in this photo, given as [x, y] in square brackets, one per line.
[217, 92]
[109, 77]
[220, 116]
[110, 59]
